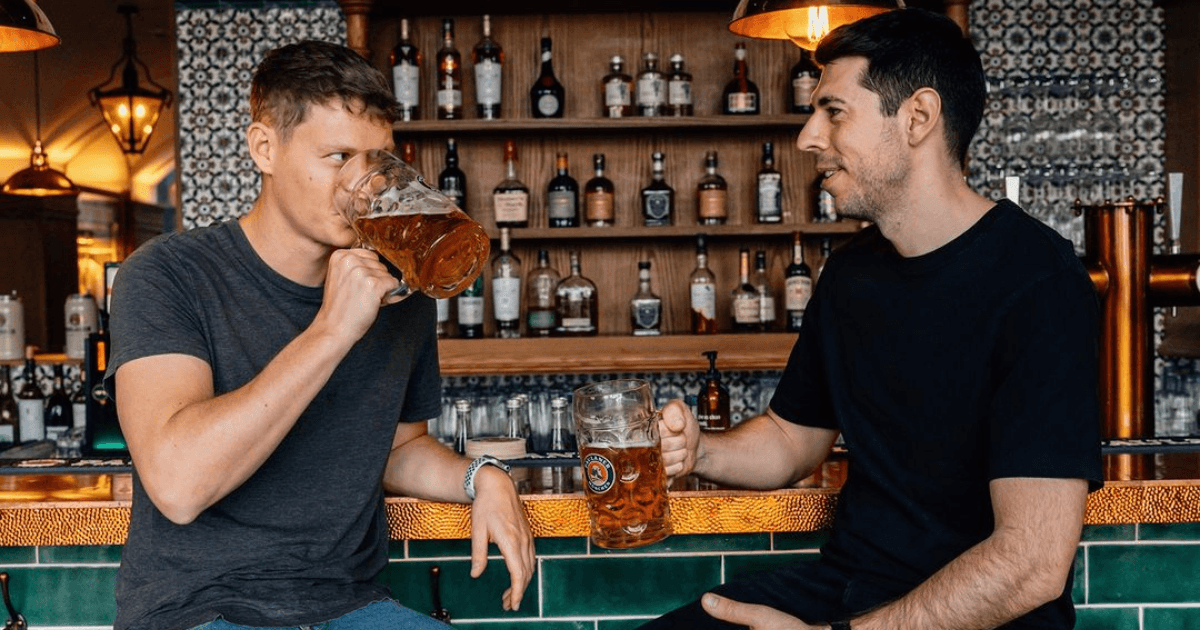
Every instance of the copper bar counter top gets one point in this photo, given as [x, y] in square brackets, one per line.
[79, 509]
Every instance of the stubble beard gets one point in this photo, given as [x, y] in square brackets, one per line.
[880, 185]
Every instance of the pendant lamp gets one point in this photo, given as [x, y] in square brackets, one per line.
[804, 22]
[24, 28]
[39, 179]
[130, 108]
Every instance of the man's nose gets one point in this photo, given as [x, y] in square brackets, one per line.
[812, 136]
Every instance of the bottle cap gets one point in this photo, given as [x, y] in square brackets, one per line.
[712, 365]
[617, 59]
[645, 264]
[677, 58]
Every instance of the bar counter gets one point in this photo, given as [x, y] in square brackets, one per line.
[53, 509]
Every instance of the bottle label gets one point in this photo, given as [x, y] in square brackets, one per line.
[656, 205]
[577, 324]
[746, 311]
[798, 291]
[561, 204]
[742, 103]
[710, 421]
[407, 78]
[487, 82]
[449, 98]
[53, 433]
[470, 310]
[547, 104]
[679, 92]
[616, 94]
[770, 196]
[599, 206]
[32, 422]
[511, 206]
[712, 204]
[599, 472]
[766, 309]
[651, 91]
[443, 309]
[825, 209]
[506, 299]
[802, 90]
[704, 300]
[646, 316]
[453, 190]
[79, 414]
[540, 319]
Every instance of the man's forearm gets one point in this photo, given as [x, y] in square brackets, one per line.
[422, 467]
[762, 453]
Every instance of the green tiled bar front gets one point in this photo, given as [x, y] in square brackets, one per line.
[1127, 577]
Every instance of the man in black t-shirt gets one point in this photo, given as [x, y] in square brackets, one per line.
[952, 345]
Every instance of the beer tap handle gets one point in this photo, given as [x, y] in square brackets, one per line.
[1012, 189]
[16, 621]
[1174, 204]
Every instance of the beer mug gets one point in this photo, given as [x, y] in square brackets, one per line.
[616, 427]
[438, 249]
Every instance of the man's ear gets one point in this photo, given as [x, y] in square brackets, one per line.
[924, 115]
[263, 143]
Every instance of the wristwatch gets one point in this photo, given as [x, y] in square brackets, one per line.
[839, 625]
[480, 462]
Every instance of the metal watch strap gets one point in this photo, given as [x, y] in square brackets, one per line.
[480, 462]
[839, 625]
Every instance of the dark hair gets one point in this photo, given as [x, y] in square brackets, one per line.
[291, 78]
[909, 49]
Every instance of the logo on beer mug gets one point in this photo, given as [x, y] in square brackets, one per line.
[438, 249]
[600, 473]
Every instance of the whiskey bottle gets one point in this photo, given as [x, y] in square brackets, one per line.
[598, 196]
[617, 90]
[547, 97]
[406, 75]
[79, 399]
[804, 77]
[506, 289]
[576, 301]
[712, 194]
[449, 75]
[541, 315]
[770, 188]
[679, 89]
[510, 198]
[10, 414]
[645, 309]
[747, 310]
[741, 95]
[59, 415]
[470, 310]
[823, 208]
[651, 88]
[766, 297]
[452, 181]
[443, 318]
[562, 196]
[31, 403]
[798, 284]
[703, 292]
[658, 198]
[488, 58]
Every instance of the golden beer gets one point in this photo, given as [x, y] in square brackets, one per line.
[626, 495]
[438, 254]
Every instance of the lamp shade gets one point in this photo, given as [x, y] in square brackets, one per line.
[23, 27]
[131, 115]
[804, 22]
[39, 180]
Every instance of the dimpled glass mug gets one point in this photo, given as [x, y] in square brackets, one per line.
[624, 478]
[438, 249]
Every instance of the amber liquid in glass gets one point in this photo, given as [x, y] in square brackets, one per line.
[439, 254]
[626, 494]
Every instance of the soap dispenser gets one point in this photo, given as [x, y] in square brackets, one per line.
[712, 404]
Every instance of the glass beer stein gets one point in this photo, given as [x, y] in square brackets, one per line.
[616, 427]
[438, 249]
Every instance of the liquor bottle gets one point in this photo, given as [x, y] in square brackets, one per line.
[826, 252]
[598, 196]
[562, 196]
[712, 194]
[679, 89]
[59, 416]
[462, 424]
[547, 97]
[658, 198]
[31, 403]
[506, 289]
[804, 77]
[645, 309]
[510, 198]
[470, 310]
[406, 75]
[576, 300]
[408, 152]
[443, 318]
[541, 314]
[747, 310]
[452, 180]
[741, 95]
[766, 297]
[10, 414]
[561, 437]
[823, 208]
[703, 292]
[712, 405]
[651, 88]
[617, 90]
[770, 188]
[798, 284]
[488, 58]
[449, 76]
[79, 400]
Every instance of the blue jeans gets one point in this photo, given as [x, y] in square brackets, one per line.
[381, 615]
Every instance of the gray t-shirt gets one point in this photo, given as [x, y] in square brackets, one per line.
[302, 540]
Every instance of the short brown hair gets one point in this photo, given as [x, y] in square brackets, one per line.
[291, 78]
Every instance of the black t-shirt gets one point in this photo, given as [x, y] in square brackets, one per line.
[302, 540]
[974, 362]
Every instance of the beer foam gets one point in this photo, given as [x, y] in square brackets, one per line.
[620, 444]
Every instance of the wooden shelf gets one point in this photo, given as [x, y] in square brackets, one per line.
[44, 359]
[668, 353]
[593, 125]
[679, 231]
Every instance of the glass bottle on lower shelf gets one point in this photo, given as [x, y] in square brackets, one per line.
[541, 314]
[658, 198]
[470, 310]
[645, 309]
[702, 293]
[712, 194]
[797, 285]
[576, 300]
[766, 297]
[599, 196]
[745, 305]
[506, 289]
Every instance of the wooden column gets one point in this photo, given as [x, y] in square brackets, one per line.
[357, 27]
[959, 11]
